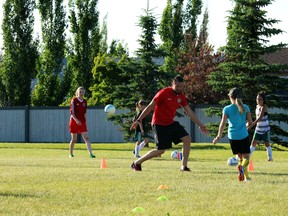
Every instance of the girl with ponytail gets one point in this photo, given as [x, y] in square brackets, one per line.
[237, 115]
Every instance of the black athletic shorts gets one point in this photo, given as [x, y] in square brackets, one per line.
[167, 134]
[240, 146]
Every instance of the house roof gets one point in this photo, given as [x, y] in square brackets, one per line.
[279, 57]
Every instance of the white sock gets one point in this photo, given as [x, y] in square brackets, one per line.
[142, 144]
[136, 150]
[252, 149]
[269, 152]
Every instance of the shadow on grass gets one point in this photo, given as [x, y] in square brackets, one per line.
[20, 195]
[117, 148]
[273, 174]
[67, 148]
[204, 147]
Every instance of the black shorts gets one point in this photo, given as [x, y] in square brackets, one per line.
[240, 146]
[167, 134]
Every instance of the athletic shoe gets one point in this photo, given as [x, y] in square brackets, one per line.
[269, 160]
[240, 173]
[247, 179]
[71, 155]
[92, 156]
[185, 169]
[136, 167]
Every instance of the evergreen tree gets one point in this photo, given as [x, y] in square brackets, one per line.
[86, 42]
[123, 81]
[146, 53]
[248, 33]
[20, 52]
[118, 49]
[49, 88]
[203, 33]
[143, 80]
[193, 10]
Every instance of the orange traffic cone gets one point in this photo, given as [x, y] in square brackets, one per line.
[251, 166]
[162, 187]
[103, 164]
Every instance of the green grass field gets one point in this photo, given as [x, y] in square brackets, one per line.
[40, 179]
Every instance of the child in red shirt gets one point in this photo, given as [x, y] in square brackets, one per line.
[77, 124]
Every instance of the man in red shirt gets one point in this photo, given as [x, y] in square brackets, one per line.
[77, 124]
[165, 104]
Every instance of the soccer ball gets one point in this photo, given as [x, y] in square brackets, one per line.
[109, 109]
[174, 154]
[232, 161]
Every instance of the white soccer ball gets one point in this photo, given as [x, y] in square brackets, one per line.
[232, 161]
[109, 109]
[174, 154]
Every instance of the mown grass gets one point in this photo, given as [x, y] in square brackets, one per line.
[40, 179]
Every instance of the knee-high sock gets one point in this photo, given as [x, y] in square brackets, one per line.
[240, 162]
[245, 164]
[142, 144]
[136, 150]
[269, 152]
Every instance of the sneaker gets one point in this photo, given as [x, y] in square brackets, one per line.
[71, 155]
[240, 173]
[136, 167]
[269, 160]
[185, 169]
[92, 156]
[247, 179]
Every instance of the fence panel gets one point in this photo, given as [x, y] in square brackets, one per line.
[12, 125]
[51, 124]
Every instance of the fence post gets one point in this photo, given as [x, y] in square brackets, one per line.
[192, 126]
[27, 123]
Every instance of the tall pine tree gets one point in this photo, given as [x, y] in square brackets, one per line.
[249, 31]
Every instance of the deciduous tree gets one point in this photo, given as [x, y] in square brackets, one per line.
[20, 52]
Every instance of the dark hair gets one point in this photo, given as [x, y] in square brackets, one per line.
[141, 103]
[263, 96]
[178, 78]
[235, 93]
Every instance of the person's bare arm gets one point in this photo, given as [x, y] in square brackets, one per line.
[194, 118]
[145, 112]
[221, 128]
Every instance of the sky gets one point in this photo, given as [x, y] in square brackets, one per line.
[123, 17]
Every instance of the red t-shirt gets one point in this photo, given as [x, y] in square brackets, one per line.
[79, 109]
[167, 103]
